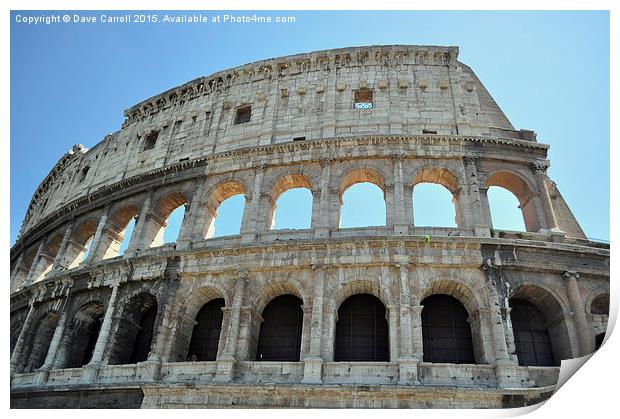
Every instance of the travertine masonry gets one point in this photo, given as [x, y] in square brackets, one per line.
[123, 327]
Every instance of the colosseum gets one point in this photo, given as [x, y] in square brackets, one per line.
[393, 316]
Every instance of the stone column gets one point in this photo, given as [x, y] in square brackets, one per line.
[96, 243]
[313, 362]
[226, 362]
[191, 228]
[407, 362]
[16, 356]
[416, 331]
[44, 371]
[477, 213]
[584, 335]
[33, 268]
[60, 256]
[401, 223]
[320, 223]
[305, 331]
[15, 273]
[90, 370]
[249, 224]
[540, 173]
[392, 319]
[135, 243]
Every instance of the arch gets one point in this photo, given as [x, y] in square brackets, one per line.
[456, 289]
[446, 333]
[39, 340]
[193, 301]
[437, 175]
[134, 330]
[115, 236]
[221, 192]
[283, 185]
[279, 336]
[553, 311]
[361, 175]
[50, 251]
[81, 242]
[274, 289]
[598, 341]
[204, 343]
[361, 286]
[531, 334]
[362, 332]
[522, 189]
[79, 340]
[157, 222]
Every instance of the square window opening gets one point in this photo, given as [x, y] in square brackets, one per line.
[362, 99]
[243, 115]
[150, 140]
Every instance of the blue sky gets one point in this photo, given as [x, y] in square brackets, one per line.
[548, 71]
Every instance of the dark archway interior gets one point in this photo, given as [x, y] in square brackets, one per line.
[40, 342]
[206, 334]
[532, 341]
[134, 333]
[280, 333]
[82, 335]
[600, 305]
[362, 330]
[446, 334]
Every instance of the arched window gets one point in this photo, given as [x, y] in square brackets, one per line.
[293, 210]
[433, 206]
[228, 217]
[163, 224]
[505, 210]
[363, 205]
[362, 330]
[533, 346]
[127, 234]
[206, 334]
[81, 242]
[446, 334]
[174, 222]
[280, 333]
[134, 331]
[512, 202]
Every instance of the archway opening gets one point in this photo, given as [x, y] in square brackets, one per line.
[228, 217]
[433, 206]
[600, 305]
[505, 210]
[502, 204]
[81, 243]
[127, 234]
[531, 335]
[280, 332]
[40, 341]
[81, 336]
[293, 210]
[205, 339]
[362, 330]
[134, 331]
[363, 205]
[173, 227]
[446, 333]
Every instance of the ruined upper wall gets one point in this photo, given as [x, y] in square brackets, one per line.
[415, 90]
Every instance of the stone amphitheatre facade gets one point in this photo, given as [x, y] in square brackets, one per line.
[399, 315]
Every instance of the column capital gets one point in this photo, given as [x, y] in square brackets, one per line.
[241, 273]
[259, 167]
[397, 156]
[326, 160]
[471, 159]
[539, 166]
[570, 274]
